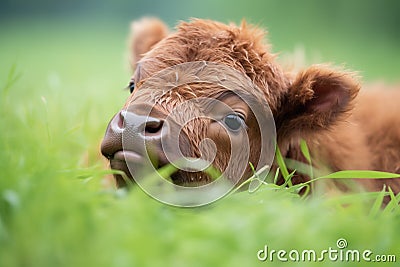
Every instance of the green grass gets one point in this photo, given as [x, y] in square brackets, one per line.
[59, 86]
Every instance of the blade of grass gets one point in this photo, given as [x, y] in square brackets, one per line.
[360, 174]
[276, 175]
[354, 174]
[282, 166]
[306, 152]
[255, 176]
[393, 205]
[378, 203]
[259, 176]
[289, 179]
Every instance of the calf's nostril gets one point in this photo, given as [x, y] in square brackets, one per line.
[116, 125]
[121, 118]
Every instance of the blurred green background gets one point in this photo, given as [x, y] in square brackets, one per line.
[362, 34]
[63, 67]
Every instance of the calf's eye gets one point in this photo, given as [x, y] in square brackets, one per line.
[131, 86]
[234, 122]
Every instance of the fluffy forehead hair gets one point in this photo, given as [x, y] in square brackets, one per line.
[196, 81]
[240, 47]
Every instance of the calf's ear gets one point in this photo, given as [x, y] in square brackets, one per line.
[145, 33]
[317, 98]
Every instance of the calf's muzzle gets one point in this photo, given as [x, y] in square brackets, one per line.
[139, 129]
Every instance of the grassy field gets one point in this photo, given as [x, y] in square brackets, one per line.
[60, 83]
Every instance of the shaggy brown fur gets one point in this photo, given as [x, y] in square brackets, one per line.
[319, 104]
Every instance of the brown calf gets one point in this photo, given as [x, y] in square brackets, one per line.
[322, 105]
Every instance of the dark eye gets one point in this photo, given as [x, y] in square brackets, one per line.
[234, 122]
[131, 86]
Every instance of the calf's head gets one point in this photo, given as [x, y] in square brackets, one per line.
[214, 92]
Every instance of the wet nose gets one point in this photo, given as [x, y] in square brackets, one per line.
[138, 129]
